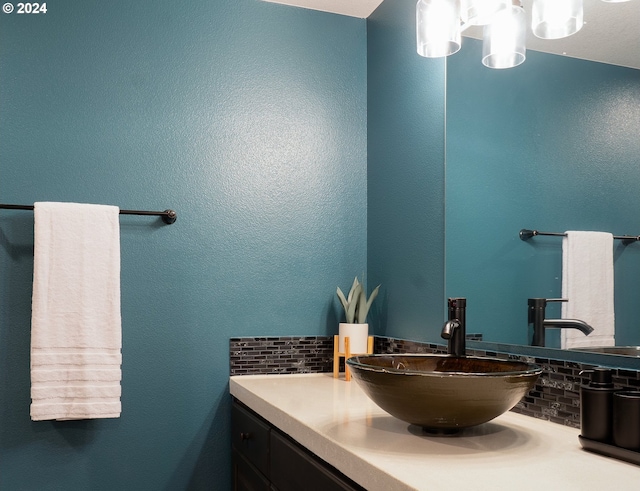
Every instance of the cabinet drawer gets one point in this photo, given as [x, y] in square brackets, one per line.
[246, 477]
[294, 469]
[250, 437]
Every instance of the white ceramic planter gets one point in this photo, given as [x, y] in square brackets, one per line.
[358, 335]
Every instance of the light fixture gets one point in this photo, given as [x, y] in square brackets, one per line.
[481, 12]
[440, 23]
[504, 39]
[438, 29]
[555, 19]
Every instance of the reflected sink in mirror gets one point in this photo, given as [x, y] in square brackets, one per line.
[613, 350]
[442, 393]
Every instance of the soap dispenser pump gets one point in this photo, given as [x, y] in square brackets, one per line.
[596, 405]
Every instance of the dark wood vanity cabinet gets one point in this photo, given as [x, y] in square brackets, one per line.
[264, 458]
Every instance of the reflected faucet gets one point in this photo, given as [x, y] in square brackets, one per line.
[454, 330]
[537, 307]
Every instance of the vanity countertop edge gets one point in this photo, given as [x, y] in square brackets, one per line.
[335, 420]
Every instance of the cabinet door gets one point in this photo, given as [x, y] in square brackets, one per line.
[250, 437]
[294, 469]
[246, 477]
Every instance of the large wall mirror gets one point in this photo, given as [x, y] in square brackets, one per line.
[552, 145]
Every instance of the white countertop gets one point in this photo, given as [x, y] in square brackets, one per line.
[339, 423]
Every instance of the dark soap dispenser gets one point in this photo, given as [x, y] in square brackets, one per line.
[596, 406]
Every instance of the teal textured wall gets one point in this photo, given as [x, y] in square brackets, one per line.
[247, 118]
[406, 95]
[553, 145]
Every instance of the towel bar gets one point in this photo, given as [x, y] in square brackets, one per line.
[168, 216]
[526, 234]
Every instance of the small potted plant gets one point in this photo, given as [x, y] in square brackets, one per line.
[356, 307]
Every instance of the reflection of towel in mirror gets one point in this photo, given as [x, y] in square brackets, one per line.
[587, 283]
[75, 325]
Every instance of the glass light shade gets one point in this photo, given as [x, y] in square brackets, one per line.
[504, 40]
[481, 12]
[555, 19]
[438, 28]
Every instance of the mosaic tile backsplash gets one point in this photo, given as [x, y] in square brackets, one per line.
[555, 397]
[307, 354]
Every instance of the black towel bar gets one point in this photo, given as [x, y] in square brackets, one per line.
[168, 216]
[526, 234]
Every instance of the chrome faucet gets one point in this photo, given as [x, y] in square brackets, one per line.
[454, 330]
[537, 307]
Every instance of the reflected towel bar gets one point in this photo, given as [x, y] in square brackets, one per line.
[168, 216]
[526, 234]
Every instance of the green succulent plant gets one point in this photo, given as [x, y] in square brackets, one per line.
[356, 305]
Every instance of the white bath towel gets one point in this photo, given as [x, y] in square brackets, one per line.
[587, 283]
[76, 334]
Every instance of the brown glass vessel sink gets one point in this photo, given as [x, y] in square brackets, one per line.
[443, 393]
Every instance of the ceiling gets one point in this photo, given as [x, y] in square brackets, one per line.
[353, 8]
[610, 33]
